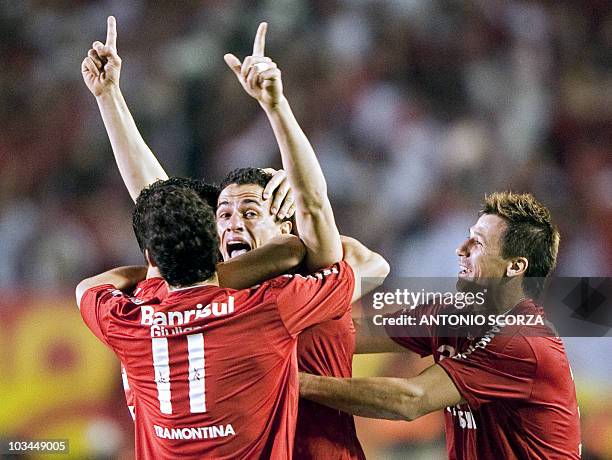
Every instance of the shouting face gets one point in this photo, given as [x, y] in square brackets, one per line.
[244, 221]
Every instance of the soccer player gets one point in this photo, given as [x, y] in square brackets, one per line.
[245, 222]
[213, 370]
[507, 393]
[326, 349]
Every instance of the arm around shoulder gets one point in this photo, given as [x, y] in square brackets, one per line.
[280, 255]
[384, 397]
[121, 278]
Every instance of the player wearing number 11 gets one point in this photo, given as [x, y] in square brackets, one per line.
[213, 369]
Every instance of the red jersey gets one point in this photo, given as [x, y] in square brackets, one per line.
[214, 370]
[322, 432]
[323, 349]
[521, 399]
[151, 290]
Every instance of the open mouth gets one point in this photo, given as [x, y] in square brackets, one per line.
[464, 271]
[236, 248]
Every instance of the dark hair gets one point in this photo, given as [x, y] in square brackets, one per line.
[530, 234]
[179, 231]
[248, 176]
[207, 192]
[245, 176]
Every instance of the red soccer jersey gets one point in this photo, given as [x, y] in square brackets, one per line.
[322, 432]
[521, 399]
[151, 290]
[323, 349]
[214, 370]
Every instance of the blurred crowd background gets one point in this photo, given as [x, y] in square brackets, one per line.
[416, 109]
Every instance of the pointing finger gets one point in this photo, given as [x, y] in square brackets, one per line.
[260, 40]
[111, 32]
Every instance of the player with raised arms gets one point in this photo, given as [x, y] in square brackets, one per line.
[327, 348]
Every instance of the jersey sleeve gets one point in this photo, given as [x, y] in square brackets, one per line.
[494, 371]
[304, 301]
[96, 304]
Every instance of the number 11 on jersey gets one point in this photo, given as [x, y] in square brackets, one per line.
[161, 365]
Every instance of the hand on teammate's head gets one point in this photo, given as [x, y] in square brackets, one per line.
[280, 192]
[102, 66]
[259, 75]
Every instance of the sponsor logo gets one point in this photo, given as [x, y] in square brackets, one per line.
[463, 416]
[461, 413]
[195, 432]
[176, 318]
[165, 324]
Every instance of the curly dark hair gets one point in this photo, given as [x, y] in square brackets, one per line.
[179, 232]
[530, 234]
[208, 192]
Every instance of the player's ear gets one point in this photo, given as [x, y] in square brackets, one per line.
[517, 266]
[286, 227]
[150, 260]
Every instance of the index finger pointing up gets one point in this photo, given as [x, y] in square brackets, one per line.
[260, 40]
[111, 32]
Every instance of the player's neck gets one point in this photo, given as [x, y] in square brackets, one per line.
[212, 281]
[153, 272]
[507, 299]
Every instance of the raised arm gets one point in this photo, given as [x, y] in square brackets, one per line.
[261, 79]
[101, 70]
[384, 397]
